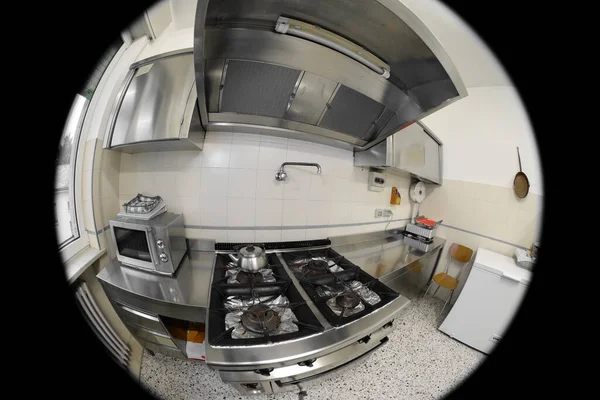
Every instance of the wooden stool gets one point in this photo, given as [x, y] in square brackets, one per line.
[459, 253]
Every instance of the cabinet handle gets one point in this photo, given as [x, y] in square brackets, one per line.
[511, 278]
[138, 313]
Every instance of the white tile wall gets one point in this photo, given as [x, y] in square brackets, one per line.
[268, 235]
[213, 211]
[242, 183]
[216, 153]
[267, 187]
[214, 182]
[295, 212]
[244, 154]
[240, 236]
[231, 183]
[271, 156]
[317, 212]
[269, 212]
[293, 234]
[240, 212]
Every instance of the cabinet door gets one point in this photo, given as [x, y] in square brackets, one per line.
[154, 101]
[416, 152]
[483, 310]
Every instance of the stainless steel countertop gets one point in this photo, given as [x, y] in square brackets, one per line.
[190, 286]
[380, 254]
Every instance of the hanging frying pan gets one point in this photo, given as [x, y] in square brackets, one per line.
[521, 183]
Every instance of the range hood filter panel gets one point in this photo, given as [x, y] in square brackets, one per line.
[351, 112]
[311, 99]
[257, 88]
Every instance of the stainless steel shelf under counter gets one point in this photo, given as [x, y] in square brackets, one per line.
[184, 295]
[389, 258]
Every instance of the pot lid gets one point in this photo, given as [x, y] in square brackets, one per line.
[251, 251]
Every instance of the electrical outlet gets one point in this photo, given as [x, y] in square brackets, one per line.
[387, 213]
[378, 213]
[376, 181]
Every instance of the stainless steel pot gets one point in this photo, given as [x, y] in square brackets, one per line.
[250, 258]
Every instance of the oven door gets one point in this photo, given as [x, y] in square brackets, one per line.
[134, 245]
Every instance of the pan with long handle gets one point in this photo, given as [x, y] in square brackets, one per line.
[521, 183]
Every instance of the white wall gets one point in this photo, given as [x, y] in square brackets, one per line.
[481, 133]
[183, 13]
[228, 191]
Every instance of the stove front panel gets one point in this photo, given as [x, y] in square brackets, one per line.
[309, 371]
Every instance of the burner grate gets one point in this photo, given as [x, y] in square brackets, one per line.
[323, 289]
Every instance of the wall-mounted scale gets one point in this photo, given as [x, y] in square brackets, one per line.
[417, 194]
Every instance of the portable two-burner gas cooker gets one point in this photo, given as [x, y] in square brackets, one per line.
[307, 314]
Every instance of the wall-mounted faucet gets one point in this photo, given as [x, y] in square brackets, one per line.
[281, 175]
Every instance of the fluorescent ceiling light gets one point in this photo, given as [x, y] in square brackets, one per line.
[319, 35]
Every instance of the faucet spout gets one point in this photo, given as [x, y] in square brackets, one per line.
[281, 175]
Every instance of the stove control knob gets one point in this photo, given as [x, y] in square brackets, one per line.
[160, 244]
[264, 371]
[163, 257]
[307, 363]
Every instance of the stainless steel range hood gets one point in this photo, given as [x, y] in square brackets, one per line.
[348, 73]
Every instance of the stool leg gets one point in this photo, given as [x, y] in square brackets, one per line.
[447, 300]
[428, 288]
[435, 291]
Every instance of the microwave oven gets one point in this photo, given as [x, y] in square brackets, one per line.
[156, 245]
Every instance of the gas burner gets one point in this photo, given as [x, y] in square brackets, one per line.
[316, 267]
[313, 267]
[238, 275]
[346, 304]
[347, 300]
[330, 290]
[260, 318]
[244, 277]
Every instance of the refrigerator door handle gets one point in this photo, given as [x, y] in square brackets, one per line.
[511, 278]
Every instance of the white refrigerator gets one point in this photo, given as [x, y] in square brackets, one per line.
[488, 301]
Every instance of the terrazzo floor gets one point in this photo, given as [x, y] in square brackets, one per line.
[419, 362]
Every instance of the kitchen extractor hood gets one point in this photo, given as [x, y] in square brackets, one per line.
[157, 108]
[340, 72]
[413, 151]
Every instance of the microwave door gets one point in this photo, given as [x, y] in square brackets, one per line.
[133, 247]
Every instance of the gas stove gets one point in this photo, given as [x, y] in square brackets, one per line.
[308, 313]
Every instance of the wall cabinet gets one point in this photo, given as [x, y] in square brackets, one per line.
[414, 150]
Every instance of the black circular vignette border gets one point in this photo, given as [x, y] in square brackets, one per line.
[523, 364]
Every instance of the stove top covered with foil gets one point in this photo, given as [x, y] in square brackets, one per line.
[266, 306]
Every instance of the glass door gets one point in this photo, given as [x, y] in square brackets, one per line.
[132, 243]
